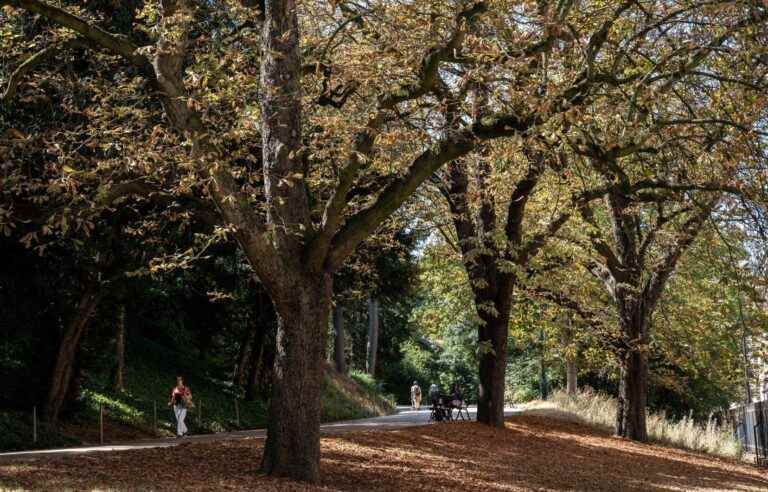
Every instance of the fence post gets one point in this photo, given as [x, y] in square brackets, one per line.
[200, 413]
[34, 424]
[154, 415]
[237, 413]
[101, 423]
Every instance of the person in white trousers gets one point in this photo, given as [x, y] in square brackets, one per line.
[181, 400]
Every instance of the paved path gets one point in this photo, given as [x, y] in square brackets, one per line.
[405, 417]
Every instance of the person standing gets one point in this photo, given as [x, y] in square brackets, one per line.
[434, 393]
[415, 396]
[181, 401]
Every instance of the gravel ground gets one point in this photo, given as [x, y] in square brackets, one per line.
[530, 453]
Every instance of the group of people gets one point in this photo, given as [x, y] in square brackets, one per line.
[181, 400]
[456, 399]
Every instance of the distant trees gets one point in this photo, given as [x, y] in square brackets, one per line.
[339, 339]
[372, 347]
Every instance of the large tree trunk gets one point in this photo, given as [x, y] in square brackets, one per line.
[293, 430]
[633, 396]
[493, 364]
[68, 347]
[373, 336]
[118, 382]
[633, 382]
[571, 375]
[339, 341]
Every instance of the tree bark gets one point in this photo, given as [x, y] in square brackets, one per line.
[373, 336]
[68, 347]
[293, 429]
[633, 382]
[571, 375]
[118, 382]
[493, 365]
[339, 341]
[633, 396]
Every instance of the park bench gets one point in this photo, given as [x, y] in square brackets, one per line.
[445, 409]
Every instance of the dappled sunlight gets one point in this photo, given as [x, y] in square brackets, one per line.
[529, 453]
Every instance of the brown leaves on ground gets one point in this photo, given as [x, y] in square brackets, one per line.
[531, 453]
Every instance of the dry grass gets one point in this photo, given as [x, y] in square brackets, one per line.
[599, 409]
[530, 453]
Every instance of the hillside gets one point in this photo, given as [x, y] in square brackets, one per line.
[131, 414]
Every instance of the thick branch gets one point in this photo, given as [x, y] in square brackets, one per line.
[333, 213]
[110, 42]
[690, 230]
[365, 222]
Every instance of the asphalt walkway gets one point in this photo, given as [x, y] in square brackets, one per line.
[405, 417]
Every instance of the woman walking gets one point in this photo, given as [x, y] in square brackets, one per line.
[181, 400]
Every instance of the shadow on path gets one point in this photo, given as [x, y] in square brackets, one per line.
[529, 453]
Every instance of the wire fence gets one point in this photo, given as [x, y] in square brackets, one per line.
[119, 421]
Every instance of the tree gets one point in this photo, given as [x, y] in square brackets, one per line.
[372, 347]
[294, 244]
[119, 371]
[495, 242]
[339, 340]
[289, 204]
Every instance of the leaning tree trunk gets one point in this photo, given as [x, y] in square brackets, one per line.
[118, 380]
[339, 341]
[493, 362]
[633, 382]
[68, 347]
[373, 336]
[293, 428]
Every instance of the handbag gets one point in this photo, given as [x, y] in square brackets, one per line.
[186, 400]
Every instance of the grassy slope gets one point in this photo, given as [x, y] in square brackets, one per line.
[149, 375]
[599, 410]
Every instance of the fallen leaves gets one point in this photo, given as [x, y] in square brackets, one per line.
[530, 453]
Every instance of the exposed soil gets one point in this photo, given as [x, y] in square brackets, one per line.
[531, 453]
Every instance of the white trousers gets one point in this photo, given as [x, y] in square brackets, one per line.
[181, 414]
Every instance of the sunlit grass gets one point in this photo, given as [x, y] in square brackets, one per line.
[599, 409]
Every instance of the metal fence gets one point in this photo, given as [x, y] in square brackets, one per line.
[152, 417]
[750, 426]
